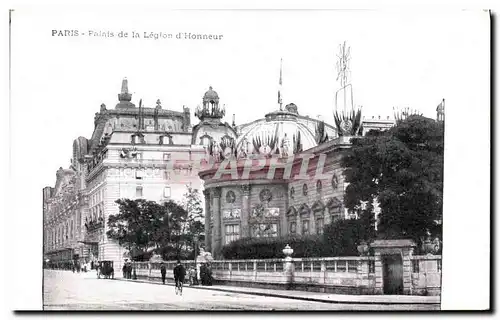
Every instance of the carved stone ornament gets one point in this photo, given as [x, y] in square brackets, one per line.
[216, 192]
[265, 195]
[292, 193]
[230, 197]
[304, 189]
[245, 189]
[335, 181]
[258, 211]
[232, 214]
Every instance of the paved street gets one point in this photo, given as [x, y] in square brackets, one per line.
[65, 290]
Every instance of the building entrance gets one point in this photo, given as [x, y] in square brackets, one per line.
[393, 274]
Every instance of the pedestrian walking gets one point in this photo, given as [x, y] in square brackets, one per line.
[129, 270]
[179, 274]
[163, 270]
[124, 269]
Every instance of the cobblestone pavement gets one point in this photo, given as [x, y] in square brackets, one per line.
[65, 290]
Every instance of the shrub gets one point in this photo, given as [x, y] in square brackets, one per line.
[342, 237]
[268, 248]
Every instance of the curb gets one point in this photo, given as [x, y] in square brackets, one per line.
[277, 295]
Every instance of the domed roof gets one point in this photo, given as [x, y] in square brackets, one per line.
[211, 95]
[280, 128]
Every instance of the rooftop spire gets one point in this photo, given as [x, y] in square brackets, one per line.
[124, 97]
[125, 85]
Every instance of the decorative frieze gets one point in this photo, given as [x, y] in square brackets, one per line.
[231, 214]
[259, 211]
[265, 195]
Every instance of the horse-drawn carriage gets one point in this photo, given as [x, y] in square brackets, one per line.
[105, 269]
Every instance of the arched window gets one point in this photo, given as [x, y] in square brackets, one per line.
[318, 208]
[334, 207]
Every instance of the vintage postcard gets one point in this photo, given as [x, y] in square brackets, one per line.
[280, 160]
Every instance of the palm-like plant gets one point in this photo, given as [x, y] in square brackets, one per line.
[348, 123]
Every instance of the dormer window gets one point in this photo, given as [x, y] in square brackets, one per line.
[137, 138]
[166, 139]
[138, 192]
[166, 192]
[138, 174]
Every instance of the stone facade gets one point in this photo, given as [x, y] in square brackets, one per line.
[271, 203]
[64, 207]
[134, 152]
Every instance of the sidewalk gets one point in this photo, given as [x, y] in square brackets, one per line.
[311, 296]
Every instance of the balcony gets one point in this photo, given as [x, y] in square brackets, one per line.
[93, 225]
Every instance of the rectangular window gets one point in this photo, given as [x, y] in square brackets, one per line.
[166, 192]
[166, 157]
[138, 192]
[293, 227]
[305, 226]
[232, 233]
[319, 226]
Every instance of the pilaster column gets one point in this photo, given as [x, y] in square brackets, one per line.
[407, 286]
[245, 210]
[327, 215]
[312, 222]
[216, 241]
[379, 274]
[299, 223]
[208, 235]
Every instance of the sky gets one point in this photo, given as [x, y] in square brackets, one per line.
[409, 59]
[398, 59]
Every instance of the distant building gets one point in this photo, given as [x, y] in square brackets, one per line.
[376, 123]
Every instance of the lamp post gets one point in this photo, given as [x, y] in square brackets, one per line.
[289, 267]
[195, 240]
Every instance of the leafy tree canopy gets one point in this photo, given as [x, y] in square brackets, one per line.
[402, 170]
[144, 226]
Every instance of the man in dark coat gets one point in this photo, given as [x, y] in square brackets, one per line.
[179, 274]
[124, 270]
[163, 270]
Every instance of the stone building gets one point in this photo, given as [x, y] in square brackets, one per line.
[134, 152]
[283, 178]
[63, 209]
[154, 153]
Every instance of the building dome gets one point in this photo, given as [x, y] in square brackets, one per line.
[280, 132]
[211, 95]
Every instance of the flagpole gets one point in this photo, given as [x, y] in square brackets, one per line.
[280, 99]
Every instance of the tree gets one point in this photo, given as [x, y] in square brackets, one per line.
[402, 170]
[143, 226]
[185, 222]
[193, 225]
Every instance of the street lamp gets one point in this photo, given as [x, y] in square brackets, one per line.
[195, 240]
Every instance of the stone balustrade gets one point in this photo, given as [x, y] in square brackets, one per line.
[426, 275]
[344, 275]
